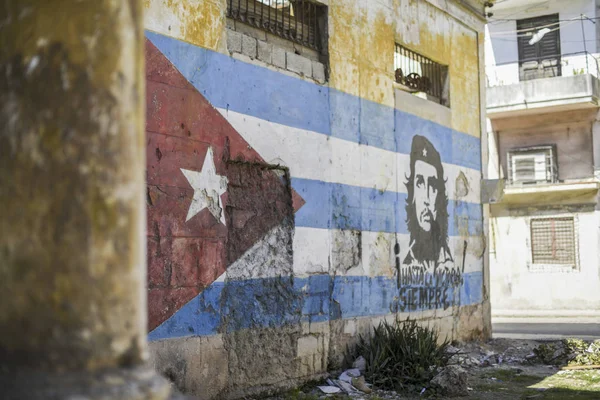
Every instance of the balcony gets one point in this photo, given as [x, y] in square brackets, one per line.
[572, 191]
[568, 83]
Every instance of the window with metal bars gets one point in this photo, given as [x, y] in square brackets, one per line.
[531, 165]
[553, 241]
[295, 20]
[420, 74]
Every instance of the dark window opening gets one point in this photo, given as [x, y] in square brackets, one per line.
[420, 74]
[295, 20]
[541, 59]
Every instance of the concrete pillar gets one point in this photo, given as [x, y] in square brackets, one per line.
[72, 202]
[596, 145]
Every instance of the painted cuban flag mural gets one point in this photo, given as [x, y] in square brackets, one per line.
[210, 196]
[273, 201]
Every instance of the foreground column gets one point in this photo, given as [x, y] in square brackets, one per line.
[72, 202]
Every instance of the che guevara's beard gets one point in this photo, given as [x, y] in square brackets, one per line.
[426, 245]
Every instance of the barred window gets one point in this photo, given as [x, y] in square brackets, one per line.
[295, 20]
[533, 165]
[553, 241]
[420, 74]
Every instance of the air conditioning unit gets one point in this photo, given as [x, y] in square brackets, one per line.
[533, 165]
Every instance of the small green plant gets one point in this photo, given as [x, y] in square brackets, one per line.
[545, 352]
[581, 352]
[572, 352]
[401, 356]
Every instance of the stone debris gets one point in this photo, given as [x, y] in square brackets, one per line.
[493, 352]
[519, 356]
[361, 385]
[351, 382]
[452, 381]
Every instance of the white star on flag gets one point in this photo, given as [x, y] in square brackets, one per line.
[208, 188]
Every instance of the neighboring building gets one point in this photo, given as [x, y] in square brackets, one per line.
[313, 168]
[544, 159]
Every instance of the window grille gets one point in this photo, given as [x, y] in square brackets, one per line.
[553, 241]
[533, 165]
[420, 74]
[295, 20]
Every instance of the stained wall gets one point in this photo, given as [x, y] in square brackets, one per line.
[281, 215]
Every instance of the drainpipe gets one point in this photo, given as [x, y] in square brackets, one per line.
[72, 160]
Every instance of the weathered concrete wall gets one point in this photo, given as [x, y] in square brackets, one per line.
[72, 231]
[518, 290]
[571, 131]
[278, 205]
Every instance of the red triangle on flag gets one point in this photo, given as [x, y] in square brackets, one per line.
[192, 236]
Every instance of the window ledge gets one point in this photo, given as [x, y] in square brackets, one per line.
[579, 190]
[418, 93]
[404, 88]
[553, 268]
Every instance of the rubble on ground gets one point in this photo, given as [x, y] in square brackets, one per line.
[451, 381]
[495, 354]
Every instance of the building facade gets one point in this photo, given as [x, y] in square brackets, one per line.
[543, 142]
[313, 168]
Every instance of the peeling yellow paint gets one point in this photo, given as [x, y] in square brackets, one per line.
[344, 74]
[445, 40]
[361, 45]
[199, 22]
[362, 36]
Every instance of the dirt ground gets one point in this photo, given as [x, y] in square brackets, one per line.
[500, 369]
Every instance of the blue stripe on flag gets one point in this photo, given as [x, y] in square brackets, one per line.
[255, 303]
[365, 209]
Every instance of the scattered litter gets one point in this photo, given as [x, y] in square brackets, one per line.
[329, 389]
[360, 384]
[346, 387]
[360, 364]
[347, 375]
[422, 391]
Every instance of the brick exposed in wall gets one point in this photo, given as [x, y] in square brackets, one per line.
[298, 64]
[244, 45]
[318, 72]
[265, 51]
[278, 57]
[234, 41]
[248, 46]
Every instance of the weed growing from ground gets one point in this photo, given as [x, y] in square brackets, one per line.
[401, 356]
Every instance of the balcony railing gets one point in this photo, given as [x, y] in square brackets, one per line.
[570, 64]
